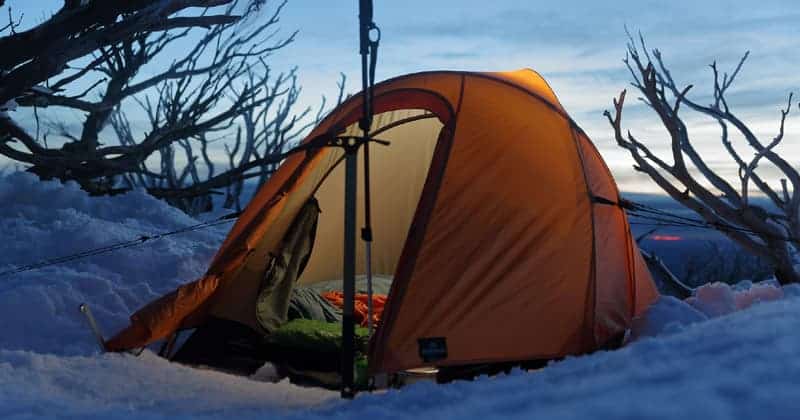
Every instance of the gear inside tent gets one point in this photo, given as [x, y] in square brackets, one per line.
[498, 239]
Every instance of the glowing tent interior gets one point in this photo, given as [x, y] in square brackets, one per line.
[494, 214]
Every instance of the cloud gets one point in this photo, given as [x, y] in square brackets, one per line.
[450, 55]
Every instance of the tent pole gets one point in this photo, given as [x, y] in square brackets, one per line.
[349, 276]
[368, 48]
[368, 255]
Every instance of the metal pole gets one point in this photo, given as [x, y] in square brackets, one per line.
[365, 24]
[369, 285]
[349, 274]
[367, 48]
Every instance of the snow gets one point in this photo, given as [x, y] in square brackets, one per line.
[10, 105]
[718, 299]
[114, 385]
[38, 309]
[727, 352]
[670, 315]
[667, 315]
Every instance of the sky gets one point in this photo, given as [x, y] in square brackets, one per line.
[577, 46]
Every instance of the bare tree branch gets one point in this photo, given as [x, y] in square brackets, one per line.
[220, 85]
[765, 234]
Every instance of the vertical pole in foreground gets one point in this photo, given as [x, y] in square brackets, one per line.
[349, 277]
[368, 49]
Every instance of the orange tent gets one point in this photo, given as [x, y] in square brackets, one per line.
[493, 211]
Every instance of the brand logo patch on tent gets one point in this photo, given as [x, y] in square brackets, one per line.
[432, 349]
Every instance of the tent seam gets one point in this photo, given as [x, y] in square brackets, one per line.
[555, 107]
[593, 270]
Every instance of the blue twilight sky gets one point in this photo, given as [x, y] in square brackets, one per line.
[576, 45]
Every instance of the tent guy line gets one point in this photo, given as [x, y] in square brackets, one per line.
[315, 143]
[646, 212]
[633, 209]
[141, 239]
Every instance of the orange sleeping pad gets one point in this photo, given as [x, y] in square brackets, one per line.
[361, 309]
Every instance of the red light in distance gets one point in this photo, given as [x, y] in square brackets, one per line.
[665, 238]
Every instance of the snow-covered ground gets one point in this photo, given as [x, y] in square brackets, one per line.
[38, 309]
[722, 354]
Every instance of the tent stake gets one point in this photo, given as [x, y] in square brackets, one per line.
[84, 308]
[349, 276]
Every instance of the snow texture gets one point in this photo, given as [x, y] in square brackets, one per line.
[669, 314]
[38, 309]
[10, 105]
[718, 299]
[727, 352]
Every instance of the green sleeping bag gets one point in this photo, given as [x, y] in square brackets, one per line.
[313, 335]
[311, 352]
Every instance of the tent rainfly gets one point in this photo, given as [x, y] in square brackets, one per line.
[493, 213]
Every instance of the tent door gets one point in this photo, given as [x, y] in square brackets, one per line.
[235, 347]
[285, 267]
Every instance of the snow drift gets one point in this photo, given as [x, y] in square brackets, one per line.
[670, 315]
[717, 355]
[41, 220]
